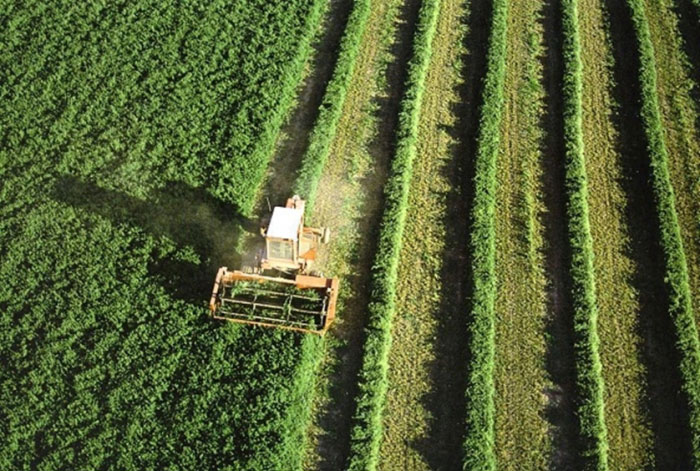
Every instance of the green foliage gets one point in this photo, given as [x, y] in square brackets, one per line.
[676, 276]
[289, 395]
[109, 360]
[193, 94]
[242, 175]
[589, 378]
[324, 129]
[101, 359]
[367, 428]
[479, 438]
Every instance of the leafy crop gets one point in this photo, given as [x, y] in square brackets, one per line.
[479, 439]
[676, 279]
[212, 125]
[366, 432]
[324, 129]
[119, 122]
[589, 376]
[273, 97]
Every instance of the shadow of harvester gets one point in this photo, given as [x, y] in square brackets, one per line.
[190, 217]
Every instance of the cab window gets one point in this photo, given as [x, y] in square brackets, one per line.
[280, 249]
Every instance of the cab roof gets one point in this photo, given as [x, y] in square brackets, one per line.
[285, 223]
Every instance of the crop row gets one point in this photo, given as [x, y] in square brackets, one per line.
[589, 376]
[676, 269]
[367, 430]
[424, 324]
[321, 137]
[479, 451]
[520, 306]
[610, 200]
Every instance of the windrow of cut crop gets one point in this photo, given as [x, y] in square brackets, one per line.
[321, 137]
[367, 420]
[589, 376]
[479, 453]
[425, 397]
[676, 269]
[240, 178]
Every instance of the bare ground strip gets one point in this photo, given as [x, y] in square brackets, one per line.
[561, 394]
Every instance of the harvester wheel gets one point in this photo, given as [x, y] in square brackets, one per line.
[326, 237]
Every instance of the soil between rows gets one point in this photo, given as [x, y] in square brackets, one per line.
[560, 407]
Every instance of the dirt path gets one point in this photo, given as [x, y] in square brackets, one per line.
[349, 201]
[560, 406]
[662, 401]
[424, 414]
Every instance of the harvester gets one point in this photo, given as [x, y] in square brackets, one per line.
[280, 289]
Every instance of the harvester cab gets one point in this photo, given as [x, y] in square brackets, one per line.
[290, 247]
[280, 290]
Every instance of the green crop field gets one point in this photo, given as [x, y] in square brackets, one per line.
[512, 189]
